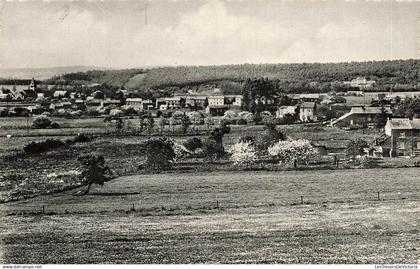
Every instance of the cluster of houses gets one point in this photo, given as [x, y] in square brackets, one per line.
[401, 135]
[71, 102]
[215, 105]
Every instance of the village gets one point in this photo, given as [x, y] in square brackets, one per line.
[365, 110]
[210, 132]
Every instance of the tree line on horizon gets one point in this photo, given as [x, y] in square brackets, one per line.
[290, 78]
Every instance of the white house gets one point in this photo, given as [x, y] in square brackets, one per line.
[216, 100]
[362, 83]
[307, 111]
[136, 103]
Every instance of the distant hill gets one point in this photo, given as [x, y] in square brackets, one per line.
[43, 73]
[293, 78]
[384, 72]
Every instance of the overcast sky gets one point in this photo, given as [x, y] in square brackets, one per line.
[124, 34]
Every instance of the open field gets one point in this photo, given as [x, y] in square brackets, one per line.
[259, 219]
[54, 171]
[17, 127]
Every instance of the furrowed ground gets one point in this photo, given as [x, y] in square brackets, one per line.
[223, 217]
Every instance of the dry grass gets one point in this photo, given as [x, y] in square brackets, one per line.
[260, 220]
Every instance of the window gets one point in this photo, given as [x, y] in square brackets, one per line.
[402, 134]
[402, 145]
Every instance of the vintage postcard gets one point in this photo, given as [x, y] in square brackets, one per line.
[210, 132]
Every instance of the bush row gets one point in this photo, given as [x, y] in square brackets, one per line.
[51, 144]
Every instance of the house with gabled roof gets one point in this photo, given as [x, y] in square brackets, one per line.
[404, 134]
[307, 111]
[361, 116]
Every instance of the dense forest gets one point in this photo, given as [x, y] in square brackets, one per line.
[21, 82]
[114, 78]
[293, 78]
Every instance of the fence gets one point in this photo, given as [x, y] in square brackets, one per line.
[205, 205]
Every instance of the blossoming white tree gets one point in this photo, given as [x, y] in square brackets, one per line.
[181, 152]
[243, 154]
[247, 116]
[290, 151]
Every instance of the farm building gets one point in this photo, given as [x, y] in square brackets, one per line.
[404, 136]
[174, 102]
[340, 108]
[147, 104]
[361, 116]
[60, 94]
[134, 102]
[219, 104]
[196, 101]
[308, 97]
[307, 111]
[233, 100]
[362, 83]
[216, 100]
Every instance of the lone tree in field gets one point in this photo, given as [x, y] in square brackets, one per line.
[94, 170]
[119, 124]
[213, 146]
[141, 125]
[159, 153]
[162, 122]
[219, 132]
[150, 122]
[185, 123]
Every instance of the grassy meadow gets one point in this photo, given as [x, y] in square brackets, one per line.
[220, 217]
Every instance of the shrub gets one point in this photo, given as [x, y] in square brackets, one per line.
[241, 122]
[356, 148]
[270, 136]
[42, 146]
[213, 150]
[41, 122]
[193, 144]
[243, 154]
[247, 116]
[185, 123]
[55, 125]
[291, 151]
[159, 153]
[82, 138]
[181, 152]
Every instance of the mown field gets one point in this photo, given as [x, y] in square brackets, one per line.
[223, 217]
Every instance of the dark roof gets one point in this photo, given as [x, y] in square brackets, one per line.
[308, 105]
[404, 124]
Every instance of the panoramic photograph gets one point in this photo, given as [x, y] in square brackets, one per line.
[210, 132]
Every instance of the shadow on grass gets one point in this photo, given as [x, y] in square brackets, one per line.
[112, 193]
